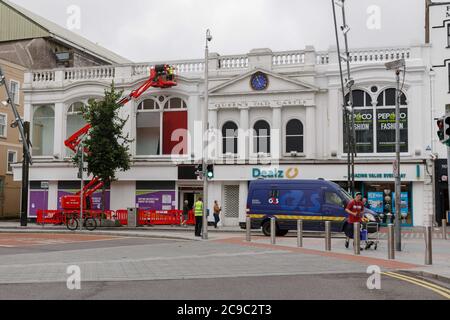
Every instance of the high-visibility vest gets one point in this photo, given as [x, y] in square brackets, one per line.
[199, 209]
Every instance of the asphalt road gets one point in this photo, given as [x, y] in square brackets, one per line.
[34, 266]
[302, 287]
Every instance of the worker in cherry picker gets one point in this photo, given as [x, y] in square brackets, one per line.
[170, 73]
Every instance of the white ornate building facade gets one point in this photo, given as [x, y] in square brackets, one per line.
[276, 114]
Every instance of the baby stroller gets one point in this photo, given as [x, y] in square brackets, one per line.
[369, 232]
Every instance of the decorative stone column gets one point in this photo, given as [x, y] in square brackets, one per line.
[310, 132]
[244, 134]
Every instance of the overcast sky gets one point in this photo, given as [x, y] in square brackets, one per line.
[149, 30]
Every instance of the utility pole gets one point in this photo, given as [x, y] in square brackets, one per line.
[206, 140]
[349, 83]
[346, 124]
[18, 123]
[25, 178]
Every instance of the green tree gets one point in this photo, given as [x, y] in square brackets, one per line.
[108, 148]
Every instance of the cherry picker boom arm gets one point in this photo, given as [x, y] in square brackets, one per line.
[161, 76]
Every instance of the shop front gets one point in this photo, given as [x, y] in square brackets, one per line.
[374, 180]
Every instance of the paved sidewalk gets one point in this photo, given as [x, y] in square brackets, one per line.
[412, 254]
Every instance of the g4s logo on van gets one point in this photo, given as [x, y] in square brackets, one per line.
[275, 201]
[275, 173]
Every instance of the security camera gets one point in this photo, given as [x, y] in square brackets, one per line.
[14, 124]
[209, 36]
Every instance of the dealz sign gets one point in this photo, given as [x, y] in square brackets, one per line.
[275, 173]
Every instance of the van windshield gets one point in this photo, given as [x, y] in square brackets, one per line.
[346, 195]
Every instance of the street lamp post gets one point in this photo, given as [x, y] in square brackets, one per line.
[206, 140]
[81, 176]
[397, 66]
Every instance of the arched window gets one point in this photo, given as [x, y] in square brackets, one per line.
[386, 119]
[148, 128]
[43, 130]
[364, 122]
[261, 138]
[375, 127]
[360, 99]
[230, 138]
[75, 121]
[161, 127]
[294, 136]
[387, 98]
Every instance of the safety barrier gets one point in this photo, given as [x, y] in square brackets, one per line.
[122, 217]
[50, 217]
[145, 217]
[57, 217]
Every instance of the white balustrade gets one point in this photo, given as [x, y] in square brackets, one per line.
[44, 76]
[233, 62]
[378, 55]
[97, 73]
[288, 58]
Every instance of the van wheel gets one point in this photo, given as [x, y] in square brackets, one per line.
[266, 228]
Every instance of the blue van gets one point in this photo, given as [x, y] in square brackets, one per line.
[313, 201]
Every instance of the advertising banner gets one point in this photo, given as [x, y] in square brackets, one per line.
[386, 130]
[38, 201]
[404, 208]
[376, 200]
[156, 199]
[96, 198]
[364, 131]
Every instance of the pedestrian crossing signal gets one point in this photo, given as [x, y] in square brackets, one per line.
[447, 130]
[210, 172]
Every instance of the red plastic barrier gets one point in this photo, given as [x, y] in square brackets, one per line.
[153, 217]
[50, 217]
[191, 218]
[60, 216]
[122, 217]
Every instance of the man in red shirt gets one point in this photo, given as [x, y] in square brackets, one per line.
[355, 210]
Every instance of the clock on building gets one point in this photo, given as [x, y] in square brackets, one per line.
[259, 81]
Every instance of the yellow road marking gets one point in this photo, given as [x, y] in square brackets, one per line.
[430, 286]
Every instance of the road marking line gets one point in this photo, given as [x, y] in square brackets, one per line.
[441, 291]
[5, 246]
[421, 281]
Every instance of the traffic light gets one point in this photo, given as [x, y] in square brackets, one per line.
[199, 172]
[447, 130]
[210, 172]
[440, 124]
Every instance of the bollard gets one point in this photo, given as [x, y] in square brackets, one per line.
[357, 238]
[273, 231]
[299, 233]
[391, 251]
[327, 235]
[428, 246]
[444, 229]
[249, 229]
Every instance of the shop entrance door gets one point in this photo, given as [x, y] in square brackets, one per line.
[231, 207]
[191, 196]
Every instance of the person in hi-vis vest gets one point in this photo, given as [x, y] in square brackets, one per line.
[198, 208]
